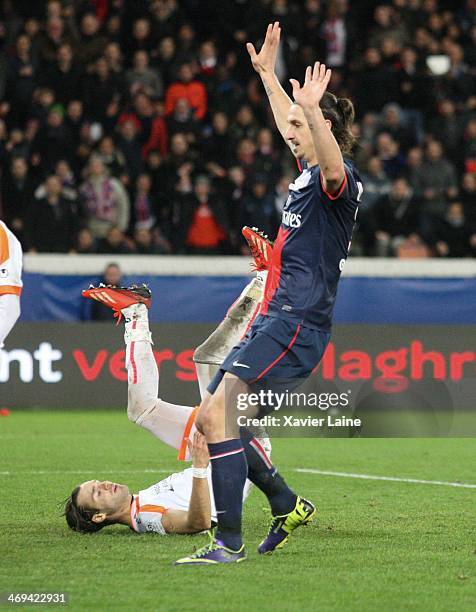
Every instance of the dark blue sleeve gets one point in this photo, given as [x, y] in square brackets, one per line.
[349, 191]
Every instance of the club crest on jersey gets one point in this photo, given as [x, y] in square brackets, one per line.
[302, 181]
[3, 272]
[291, 219]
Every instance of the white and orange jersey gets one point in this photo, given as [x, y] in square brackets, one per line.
[174, 492]
[11, 262]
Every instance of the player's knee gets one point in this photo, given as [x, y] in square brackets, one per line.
[137, 407]
[203, 354]
[209, 416]
[133, 411]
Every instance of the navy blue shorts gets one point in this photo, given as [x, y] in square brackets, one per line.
[274, 352]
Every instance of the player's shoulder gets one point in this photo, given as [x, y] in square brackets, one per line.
[351, 170]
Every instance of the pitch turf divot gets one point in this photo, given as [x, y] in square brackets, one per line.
[387, 478]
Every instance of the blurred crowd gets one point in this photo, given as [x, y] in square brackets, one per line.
[140, 126]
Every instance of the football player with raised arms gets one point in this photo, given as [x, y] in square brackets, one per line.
[289, 337]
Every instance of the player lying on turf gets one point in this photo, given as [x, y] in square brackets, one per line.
[10, 280]
[176, 504]
[171, 423]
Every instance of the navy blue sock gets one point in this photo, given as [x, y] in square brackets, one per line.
[229, 472]
[264, 475]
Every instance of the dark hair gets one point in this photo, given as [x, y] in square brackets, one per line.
[79, 518]
[340, 112]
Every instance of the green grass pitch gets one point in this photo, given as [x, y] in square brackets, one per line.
[376, 545]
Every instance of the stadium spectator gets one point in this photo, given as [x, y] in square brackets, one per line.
[111, 156]
[201, 221]
[142, 39]
[148, 243]
[149, 125]
[393, 123]
[68, 183]
[183, 121]
[244, 124]
[468, 196]
[112, 275]
[334, 32]
[52, 38]
[208, 60]
[259, 205]
[85, 244]
[216, 144]
[17, 194]
[100, 92]
[396, 215]
[388, 151]
[180, 156]
[447, 126]
[63, 76]
[452, 235]
[114, 58]
[114, 242]
[166, 59]
[435, 180]
[52, 225]
[143, 203]
[469, 151]
[92, 43]
[105, 200]
[129, 146]
[189, 88]
[22, 75]
[73, 121]
[53, 140]
[377, 83]
[143, 78]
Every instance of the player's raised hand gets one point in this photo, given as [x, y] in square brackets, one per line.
[315, 84]
[198, 450]
[265, 60]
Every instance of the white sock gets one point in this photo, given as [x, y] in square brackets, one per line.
[209, 356]
[168, 422]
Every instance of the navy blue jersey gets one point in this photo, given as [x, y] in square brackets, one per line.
[311, 249]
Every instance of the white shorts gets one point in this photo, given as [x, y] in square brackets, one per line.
[11, 262]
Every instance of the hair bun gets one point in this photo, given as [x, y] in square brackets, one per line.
[346, 108]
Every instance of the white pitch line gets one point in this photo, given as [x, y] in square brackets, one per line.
[47, 472]
[300, 470]
[388, 478]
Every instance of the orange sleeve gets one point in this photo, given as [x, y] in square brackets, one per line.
[188, 426]
[153, 508]
[10, 290]
[4, 247]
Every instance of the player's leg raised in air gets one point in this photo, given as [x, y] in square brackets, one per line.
[172, 423]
